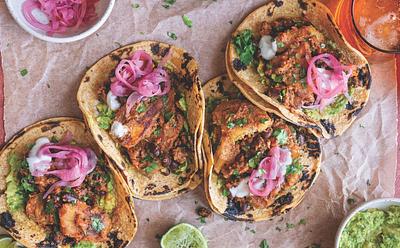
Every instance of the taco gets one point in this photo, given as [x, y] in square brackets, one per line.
[58, 190]
[293, 56]
[257, 165]
[145, 107]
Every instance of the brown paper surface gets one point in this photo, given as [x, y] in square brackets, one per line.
[359, 165]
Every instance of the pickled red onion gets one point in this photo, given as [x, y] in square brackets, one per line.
[270, 173]
[61, 14]
[136, 78]
[71, 163]
[327, 83]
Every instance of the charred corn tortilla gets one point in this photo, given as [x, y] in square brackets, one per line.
[157, 186]
[220, 90]
[27, 231]
[321, 19]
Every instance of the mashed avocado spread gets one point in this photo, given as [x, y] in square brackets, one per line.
[373, 228]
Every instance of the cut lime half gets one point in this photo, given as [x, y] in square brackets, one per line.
[5, 241]
[183, 236]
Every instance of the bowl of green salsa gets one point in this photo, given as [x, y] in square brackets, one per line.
[371, 225]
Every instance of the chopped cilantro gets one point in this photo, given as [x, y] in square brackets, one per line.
[230, 125]
[290, 225]
[202, 220]
[282, 95]
[151, 167]
[157, 131]
[254, 161]
[23, 72]
[182, 168]
[261, 171]
[264, 244]
[276, 78]
[303, 72]
[294, 168]
[225, 192]
[302, 222]
[168, 116]
[245, 46]
[168, 3]
[148, 158]
[241, 122]
[281, 136]
[50, 207]
[263, 120]
[182, 103]
[172, 35]
[135, 5]
[235, 173]
[141, 108]
[97, 224]
[105, 117]
[280, 44]
[187, 21]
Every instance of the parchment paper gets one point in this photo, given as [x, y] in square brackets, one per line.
[360, 165]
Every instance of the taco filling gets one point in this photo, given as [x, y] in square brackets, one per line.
[145, 112]
[64, 188]
[299, 67]
[256, 158]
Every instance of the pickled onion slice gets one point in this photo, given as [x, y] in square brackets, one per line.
[270, 173]
[69, 163]
[327, 83]
[61, 14]
[137, 78]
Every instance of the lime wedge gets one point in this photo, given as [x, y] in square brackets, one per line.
[5, 242]
[183, 236]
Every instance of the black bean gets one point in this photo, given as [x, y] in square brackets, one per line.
[166, 161]
[174, 166]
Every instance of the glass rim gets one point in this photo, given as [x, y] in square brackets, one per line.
[362, 37]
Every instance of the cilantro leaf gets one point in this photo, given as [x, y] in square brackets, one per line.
[294, 168]
[23, 72]
[245, 46]
[172, 35]
[188, 22]
[168, 3]
[281, 136]
[135, 5]
[151, 167]
[141, 108]
[264, 244]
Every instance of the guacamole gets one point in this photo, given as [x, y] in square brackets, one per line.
[373, 228]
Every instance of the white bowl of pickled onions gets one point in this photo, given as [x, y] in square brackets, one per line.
[60, 21]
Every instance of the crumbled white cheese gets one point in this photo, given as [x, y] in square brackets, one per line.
[119, 130]
[38, 162]
[268, 47]
[112, 101]
[242, 189]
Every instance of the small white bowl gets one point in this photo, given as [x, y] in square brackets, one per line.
[103, 10]
[382, 203]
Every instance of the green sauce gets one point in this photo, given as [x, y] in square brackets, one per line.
[374, 228]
